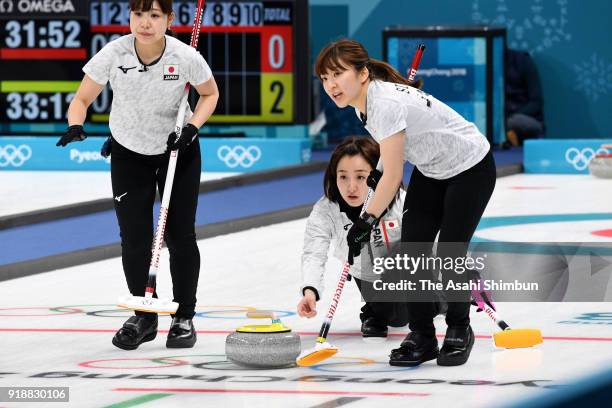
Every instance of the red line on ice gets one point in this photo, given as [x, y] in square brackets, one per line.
[60, 330]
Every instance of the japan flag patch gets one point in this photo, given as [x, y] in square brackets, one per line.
[171, 72]
[391, 224]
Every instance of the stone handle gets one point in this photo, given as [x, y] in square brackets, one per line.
[261, 314]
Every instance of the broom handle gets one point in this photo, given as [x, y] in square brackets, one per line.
[415, 62]
[163, 211]
[486, 305]
[495, 317]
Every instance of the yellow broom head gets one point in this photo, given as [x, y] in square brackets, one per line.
[517, 338]
[322, 351]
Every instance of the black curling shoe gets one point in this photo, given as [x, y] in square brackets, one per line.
[135, 331]
[457, 346]
[414, 350]
[182, 334]
[372, 328]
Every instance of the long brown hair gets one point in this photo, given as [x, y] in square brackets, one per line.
[350, 146]
[346, 53]
[146, 5]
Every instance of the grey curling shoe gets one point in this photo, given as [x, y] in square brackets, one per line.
[182, 334]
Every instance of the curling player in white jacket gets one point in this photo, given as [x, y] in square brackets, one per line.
[345, 192]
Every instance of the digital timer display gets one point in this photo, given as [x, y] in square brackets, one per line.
[257, 50]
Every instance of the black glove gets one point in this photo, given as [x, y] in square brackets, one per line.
[73, 133]
[373, 179]
[105, 151]
[188, 135]
[474, 303]
[358, 234]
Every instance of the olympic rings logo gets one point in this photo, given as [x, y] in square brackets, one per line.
[239, 156]
[14, 156]
[580, 159]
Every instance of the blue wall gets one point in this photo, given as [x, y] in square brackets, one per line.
[570, 41]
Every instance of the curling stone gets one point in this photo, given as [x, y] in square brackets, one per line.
[264, 345]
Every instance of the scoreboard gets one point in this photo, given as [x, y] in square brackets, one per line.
[257, 50]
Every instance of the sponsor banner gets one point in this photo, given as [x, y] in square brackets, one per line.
[218, 154]
[43, 8]
[252, 154]
[562, 156]
[40, 153]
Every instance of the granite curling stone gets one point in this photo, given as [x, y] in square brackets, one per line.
[263, 346]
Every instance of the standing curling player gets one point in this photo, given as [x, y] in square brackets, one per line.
[148, 71]
[450, 186]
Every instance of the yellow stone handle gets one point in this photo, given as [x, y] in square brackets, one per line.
[261, 314]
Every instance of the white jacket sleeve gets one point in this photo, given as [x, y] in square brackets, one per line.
[317, 239]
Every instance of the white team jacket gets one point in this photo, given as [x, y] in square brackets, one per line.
[327, 226]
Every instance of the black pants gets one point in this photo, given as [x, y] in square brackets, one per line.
[135, 178]
[452, 207]
[393, 314]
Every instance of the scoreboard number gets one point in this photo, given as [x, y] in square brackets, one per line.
[42, 34]
[234, 14]
[276, 51]
[37, 106]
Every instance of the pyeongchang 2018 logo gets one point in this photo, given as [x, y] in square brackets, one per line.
[590, 318]
[81, 157]
[14, 156]
[580, 159]
[234, 156]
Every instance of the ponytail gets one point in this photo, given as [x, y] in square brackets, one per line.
[385, 72]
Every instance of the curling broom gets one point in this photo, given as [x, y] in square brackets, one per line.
[148, 303]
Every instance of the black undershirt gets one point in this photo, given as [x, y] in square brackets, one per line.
[351, 212]
[145, 67]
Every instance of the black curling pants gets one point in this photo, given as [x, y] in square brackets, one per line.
[453, 207]
[135, 178]
[394, 314]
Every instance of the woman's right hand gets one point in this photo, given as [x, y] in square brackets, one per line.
[307, 307]
[73, 133]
